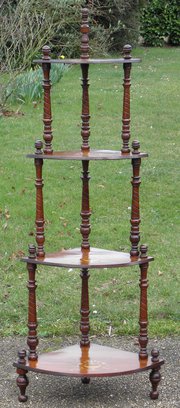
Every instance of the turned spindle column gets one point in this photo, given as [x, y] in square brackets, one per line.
[84, 324]
[135, 216]
[85, 132]
[32, 339]
[47, 117]
[85, 227]
[85, 210]
[85, 129]
[126, 99]
[143, 318]
[40, 238]
[155, 376]
[22, 380]
[85, 247]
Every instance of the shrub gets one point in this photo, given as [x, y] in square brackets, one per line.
[28, 85]
[26, 25]
[160, 20]
[120, 19]
[23, 32]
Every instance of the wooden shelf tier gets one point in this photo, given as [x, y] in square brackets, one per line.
[89, 361]
[89, 155]
[88, 61]
[93, 258]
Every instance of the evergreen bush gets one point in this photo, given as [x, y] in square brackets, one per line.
[160, 22]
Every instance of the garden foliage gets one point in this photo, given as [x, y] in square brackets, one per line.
[26, 25]
[160, 22]
[27, 86]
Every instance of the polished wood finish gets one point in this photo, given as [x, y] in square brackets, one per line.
[22, 380]
[85, 228]
[32, 339]
[155, 376]
[77, 61]
[89, 155]
[93, 361]
[87, 360]
[93, 258]
[47, 118]
[143, 319]
[84, 324]
[85, 129]
[126, 100]
[40, 238]
[135, 214]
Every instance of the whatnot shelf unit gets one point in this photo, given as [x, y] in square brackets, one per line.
[86, 359]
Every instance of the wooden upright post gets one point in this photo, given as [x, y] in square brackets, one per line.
[85, 129]
[32, 339]
[40, 238]
[126, 100]
[143, 318]
[47, 117]
[135, 214]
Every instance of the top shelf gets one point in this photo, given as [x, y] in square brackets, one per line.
[88, 61]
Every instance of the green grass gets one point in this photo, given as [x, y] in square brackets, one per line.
[114, 293]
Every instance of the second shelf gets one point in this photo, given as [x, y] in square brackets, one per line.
[93, 258]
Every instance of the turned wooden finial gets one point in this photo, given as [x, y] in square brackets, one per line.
[127, 51]
[46, 52]
[32, 251]
[38, 147]
[135, 147]
[155, 355]
[143, 249]
[85, 34]
[22, 357]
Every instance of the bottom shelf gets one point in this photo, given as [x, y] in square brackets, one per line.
[93, 361]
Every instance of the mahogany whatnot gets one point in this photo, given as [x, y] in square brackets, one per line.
[87, 360]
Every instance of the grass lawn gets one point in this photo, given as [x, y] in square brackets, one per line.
[114, 293]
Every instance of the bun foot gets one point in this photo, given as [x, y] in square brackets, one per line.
[22, 398]
[154, 395]
[22, 380]
[155, 378]
[22, 383]
[85, 380]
